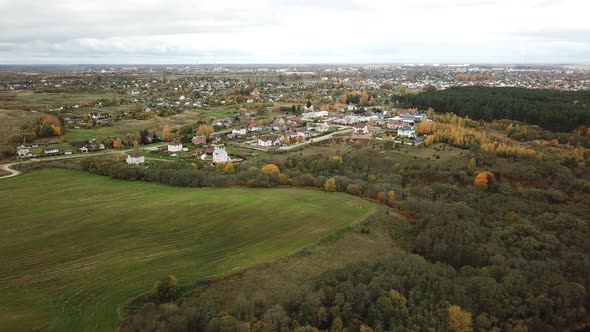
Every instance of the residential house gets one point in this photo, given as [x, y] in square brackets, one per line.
[323, 127]
[23, 151]
[406, 131]
[220, 155]
[240, 131]
[198, 140]
[314, 115]
[268, 141]
[395, 122]
[361, 128]
[51, 150]
[174, 146]
[255, 128]
[135, 159]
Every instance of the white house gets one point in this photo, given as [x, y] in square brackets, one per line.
[220, 155]
[135, 159]
[314, 115]
[361, 129]
[406, 131]
[323, 127]
[268, 141]
[239, 131]
[174, 146]
[24, 151]
[51, 150]
[264, 141]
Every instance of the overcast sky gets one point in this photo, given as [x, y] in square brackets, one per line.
[300, 31]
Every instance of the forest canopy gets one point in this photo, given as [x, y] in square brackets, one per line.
[561, 111]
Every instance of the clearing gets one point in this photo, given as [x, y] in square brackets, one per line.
[75, 246]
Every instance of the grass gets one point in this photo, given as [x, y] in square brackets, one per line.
[274, 281]
[12, 120]
[45, 100]
[75, 246]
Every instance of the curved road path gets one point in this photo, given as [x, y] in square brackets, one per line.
[13, 172]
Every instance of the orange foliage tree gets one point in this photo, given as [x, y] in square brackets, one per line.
[483, 179]
[117, 143]
[166, 135]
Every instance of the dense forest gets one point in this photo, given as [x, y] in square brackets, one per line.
[561, 111]
[493, 244]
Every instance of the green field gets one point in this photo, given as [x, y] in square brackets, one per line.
[45, 100]
[75, 246]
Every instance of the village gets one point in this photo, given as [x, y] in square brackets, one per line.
[353, 123]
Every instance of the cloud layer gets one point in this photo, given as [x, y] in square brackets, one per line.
[302, 31]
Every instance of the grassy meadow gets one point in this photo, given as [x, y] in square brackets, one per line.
[75, 246]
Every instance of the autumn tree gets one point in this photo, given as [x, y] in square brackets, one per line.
[287, 140]
[344, 99]
[459, 320]
[397, 298]
[270, 169]
[483, 179]
[117, 143]
[390, 198]
[205, 130]
[364, 99]
[330, 185]
[430, 113]
[167, 289]
[166, 134]
[336, 160]
[354, 189]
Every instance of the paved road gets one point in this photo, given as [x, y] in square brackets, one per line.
[14, 172]
[315, 139]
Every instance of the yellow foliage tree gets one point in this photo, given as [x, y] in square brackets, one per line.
[390, 198]
[166, 134]
[270, 169]
[336, 160]
[397, 298]
[425, 128]
[287, 140]
[284, 179]
[365, 328]
[483, 179]
[205, 130]
[459, 320]
[330, 185]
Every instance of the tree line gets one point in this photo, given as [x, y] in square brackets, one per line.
[559, 111]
